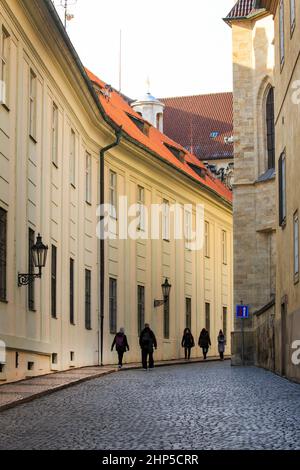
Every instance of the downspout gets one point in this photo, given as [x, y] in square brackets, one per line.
[102, 241]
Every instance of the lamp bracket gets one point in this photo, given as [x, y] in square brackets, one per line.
[26, 279]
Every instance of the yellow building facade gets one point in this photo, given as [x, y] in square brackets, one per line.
[53, 125]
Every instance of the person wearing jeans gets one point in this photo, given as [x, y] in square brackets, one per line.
[204, 342]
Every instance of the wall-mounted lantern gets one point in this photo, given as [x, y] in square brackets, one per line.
[165, 287]
[38, 255]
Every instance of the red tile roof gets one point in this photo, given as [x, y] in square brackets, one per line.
[117, 109]
[191, 120]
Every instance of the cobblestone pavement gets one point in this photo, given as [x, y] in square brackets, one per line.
[198, 406]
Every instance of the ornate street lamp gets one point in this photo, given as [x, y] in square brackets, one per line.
[165, 287]
[38, 255]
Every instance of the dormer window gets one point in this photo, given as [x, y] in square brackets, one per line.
[178, 153]
[138, 122]
[197, 169]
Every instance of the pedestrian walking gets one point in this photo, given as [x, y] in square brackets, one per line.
[120, 341]
[147, 343]
[221, 344]
[204, 342]
[187, 343]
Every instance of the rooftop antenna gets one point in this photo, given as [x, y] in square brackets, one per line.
[120, 62]
[65, 5]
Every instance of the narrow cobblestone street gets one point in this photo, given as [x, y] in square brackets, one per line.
[199, 406]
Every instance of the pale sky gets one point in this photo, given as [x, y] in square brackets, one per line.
[183, 46]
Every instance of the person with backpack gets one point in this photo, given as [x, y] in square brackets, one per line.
[187, 343]
[204, 342]
[120, 341]
[221, 344]
[147, 343]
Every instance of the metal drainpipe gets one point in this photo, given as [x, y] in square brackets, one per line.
[102, 245]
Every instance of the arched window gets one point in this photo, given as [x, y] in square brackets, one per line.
[270, 128]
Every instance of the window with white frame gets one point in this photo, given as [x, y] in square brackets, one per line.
[4, 72]
[281, 32]
[296, 246]
[54, 134]
[72, 157]
[32, 104]
[292, 15]
[188, 228]
[113, 194]
[141, 207]
[206, 239]
[166, 220]
[88, 178]
[224, 247]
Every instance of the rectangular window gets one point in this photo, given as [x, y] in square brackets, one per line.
[72, 316]
[224, 247]
[88, 323]
[32, 104]
[4, 72]
[141, 308]
[292, 15]
[296, 247]
[225, 321]
[3, 253]
[281, 32]
[207, 316]
[206, 239]
[141, 208]
[31, 236]
[166, 220]
[188, 313]
[166, 317]
[88, 178]
[188, 228]
[54, 134]
[53, 280]
[282, 189]
[72, 157]
[113, 194]
[112, 305]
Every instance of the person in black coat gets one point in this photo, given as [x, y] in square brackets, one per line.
[121, 343]
[147, 343]
[204, 342]
[187, 343]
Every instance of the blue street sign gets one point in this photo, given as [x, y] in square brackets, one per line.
[242, 311]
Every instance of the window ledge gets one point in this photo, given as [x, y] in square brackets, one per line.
[4, 301]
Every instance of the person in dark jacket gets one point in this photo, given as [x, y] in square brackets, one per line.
[187, 343]
[204, 342]
[120, 341]
[147, 344]
[221, 344]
